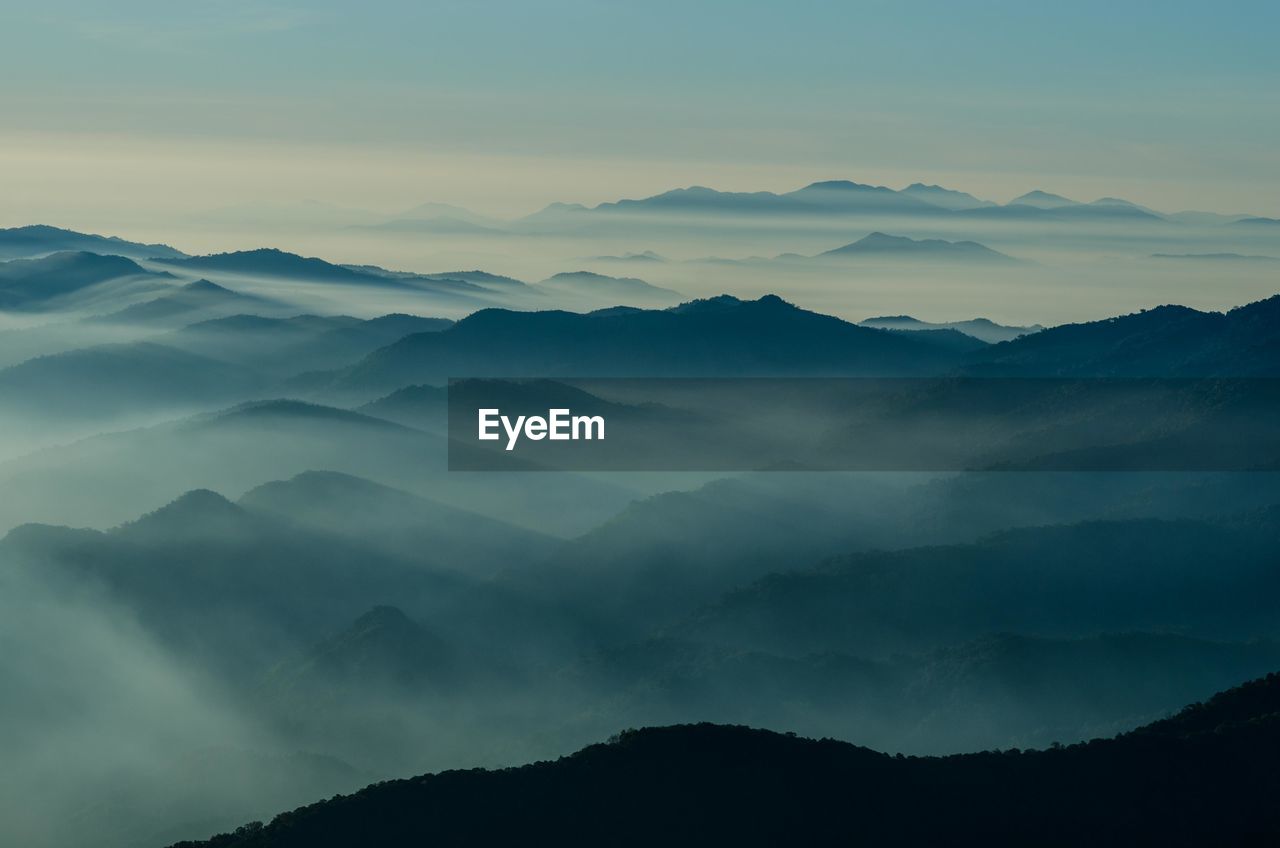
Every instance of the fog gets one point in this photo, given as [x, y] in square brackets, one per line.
[239, 574]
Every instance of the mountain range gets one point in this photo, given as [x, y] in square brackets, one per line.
[41, 240]
[1202, 776]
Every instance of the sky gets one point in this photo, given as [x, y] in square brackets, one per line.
[137, 113]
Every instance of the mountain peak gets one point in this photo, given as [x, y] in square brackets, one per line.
[1042, 200]
[199, 511]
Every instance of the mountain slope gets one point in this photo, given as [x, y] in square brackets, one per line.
[57, 278]
[980, 328]
[1206, 776]
[720, 336]
[40, 239]
[901, 247]
[191, 302]
[1168, 341]
[398, 522]
[602, 290]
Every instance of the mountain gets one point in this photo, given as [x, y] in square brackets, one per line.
[993, 692]
[1156, 575]
[287, 346]
[900, 247]
[275, 263]
[1203, 776]
[828, 197]
[191, 302]
[69, 277]
[39, 240]
[496, 282]
[1168, 341]
[382, 649]
[980, 328]
[945, 198]
[199, 561]
[1259, 222]
[118, 379]
[602, 290]
[398, 522]
[644, 256]
[1042, 200]
[720, 336]
[423, 407]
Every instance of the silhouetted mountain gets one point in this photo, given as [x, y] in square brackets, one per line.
[1259, 222]
[832, 196]
[601, 290]
[643, 257]
[719, 336]
[481, 278]
[1168, 341]
[901, 247]
[1205, 776]
[39, 239]
[1106, 210]
[56, 279]
[980, 328]
[1042, 200]
[276, 263]
[944, 197]
[997, 691]
[200, 299]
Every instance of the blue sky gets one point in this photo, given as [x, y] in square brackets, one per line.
[508, 105]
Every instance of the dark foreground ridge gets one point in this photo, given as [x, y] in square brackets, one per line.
[1206, 776]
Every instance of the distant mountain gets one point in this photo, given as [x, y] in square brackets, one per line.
[287, 346]
[39, 240]
[643, 256]
[901, 247]
[446, 292]
[1259, 222]
[1042, 200]
[116, 379]
[847, 198]
[980, 328]
[602, 290]
[423, 407]
[944, 197]
[832, 196]
[719, 336]
[1169, 341]
[1046, 207]
[191, 302]
[398, 522]
[275, 263]
[1203, 776]
[480, 278]
[64, 279]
